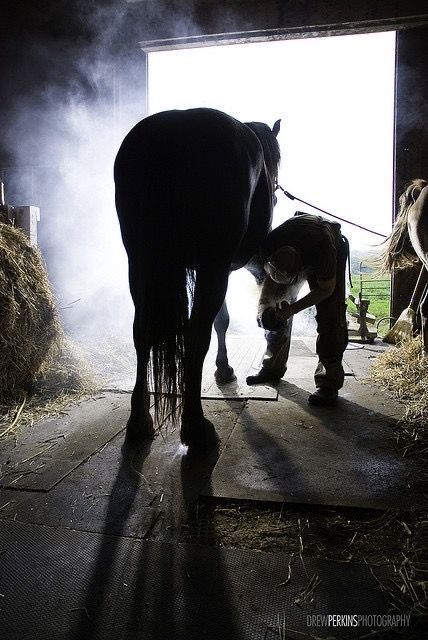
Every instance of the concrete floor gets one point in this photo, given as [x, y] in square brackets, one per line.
[109, 490]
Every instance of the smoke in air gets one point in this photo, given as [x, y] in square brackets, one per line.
[78, 138]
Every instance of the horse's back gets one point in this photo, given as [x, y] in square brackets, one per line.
[178, 146]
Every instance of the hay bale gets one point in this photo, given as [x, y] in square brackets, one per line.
[29, 322]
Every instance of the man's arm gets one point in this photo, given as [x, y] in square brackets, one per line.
[324, 289]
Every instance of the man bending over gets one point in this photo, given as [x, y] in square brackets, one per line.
[305, 248]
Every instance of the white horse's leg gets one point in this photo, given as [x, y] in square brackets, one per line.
[424, 320]
[417, 225]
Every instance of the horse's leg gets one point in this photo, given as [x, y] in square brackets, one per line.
[424, 320]
[256, 267]
[224, 372]
[210, 290]
[140, 423]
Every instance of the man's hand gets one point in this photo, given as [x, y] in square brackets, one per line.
[284, 312]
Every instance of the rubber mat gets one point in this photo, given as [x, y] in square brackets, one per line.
[341, 455]
[124, 491]
[69, 585]
[245, 356]
[52, 448]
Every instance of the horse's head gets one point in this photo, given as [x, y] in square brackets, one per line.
[269, 142]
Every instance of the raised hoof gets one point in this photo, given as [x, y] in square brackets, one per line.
[138, 432]
[201, 436]
[224, 376]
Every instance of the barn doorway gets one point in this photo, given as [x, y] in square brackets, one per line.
[335, 96]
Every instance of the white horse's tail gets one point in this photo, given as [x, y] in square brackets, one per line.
[397, 250]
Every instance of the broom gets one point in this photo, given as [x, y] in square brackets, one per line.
[402, 330]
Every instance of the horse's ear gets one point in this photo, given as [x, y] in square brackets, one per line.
[276, 127]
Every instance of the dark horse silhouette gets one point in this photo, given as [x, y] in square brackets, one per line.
[194, 197]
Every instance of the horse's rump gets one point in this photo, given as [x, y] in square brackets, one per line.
[183, 178]
[184, 185]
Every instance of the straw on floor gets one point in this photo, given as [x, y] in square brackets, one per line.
[403, 373]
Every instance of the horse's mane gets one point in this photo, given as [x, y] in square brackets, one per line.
[270, 147]
[397, 251]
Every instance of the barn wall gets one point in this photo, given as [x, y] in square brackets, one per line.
[411, 135]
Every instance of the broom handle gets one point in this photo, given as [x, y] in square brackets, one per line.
[419, 288]
[423, 296]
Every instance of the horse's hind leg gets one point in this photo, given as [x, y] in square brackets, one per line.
[210, 290]
[140, 423]
[224, 372]
[424, 320]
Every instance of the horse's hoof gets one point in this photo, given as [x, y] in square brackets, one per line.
[139, 432]
[223, 376]
[201, 436]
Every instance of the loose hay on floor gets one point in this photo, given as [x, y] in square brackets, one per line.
[64, 378]
[403, 373]
[341, 535]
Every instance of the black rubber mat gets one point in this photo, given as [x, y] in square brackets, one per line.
[52, 448]
[341, 455]
[57, 584]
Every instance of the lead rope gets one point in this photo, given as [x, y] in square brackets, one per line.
[289, 195]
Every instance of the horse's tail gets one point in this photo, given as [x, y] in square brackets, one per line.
[166, 319]
[397, 250]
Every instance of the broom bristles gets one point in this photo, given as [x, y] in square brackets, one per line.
[402, 330]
